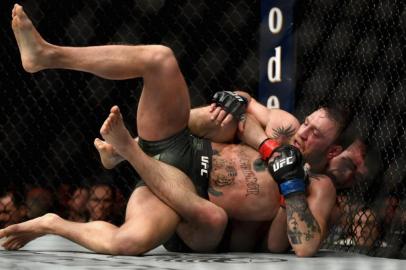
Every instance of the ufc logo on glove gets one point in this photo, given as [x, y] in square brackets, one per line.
[281, 163]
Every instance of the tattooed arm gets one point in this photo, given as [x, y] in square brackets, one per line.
[272, 119]
[307, 217]
[271, 123]
[262, 123]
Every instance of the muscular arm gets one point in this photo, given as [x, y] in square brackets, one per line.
[266, 116]
[277, 241]
[278, 128]
[307, 217]
[267, 123]
[261, 123]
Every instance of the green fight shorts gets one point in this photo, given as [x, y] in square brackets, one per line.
[191, 155]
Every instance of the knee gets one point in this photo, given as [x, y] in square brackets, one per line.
[219, 218]
[213, 217]
[162, 56]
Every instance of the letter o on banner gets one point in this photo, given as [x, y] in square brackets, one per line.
[275, 20]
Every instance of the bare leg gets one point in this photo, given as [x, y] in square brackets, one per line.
[164, 105]
[33, 48]
[165, 97]
[112, 61]
[204, 222]
[149, 223]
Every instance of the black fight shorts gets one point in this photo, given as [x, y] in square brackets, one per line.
[193, 157]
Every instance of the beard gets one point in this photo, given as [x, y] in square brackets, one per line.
[317, 161]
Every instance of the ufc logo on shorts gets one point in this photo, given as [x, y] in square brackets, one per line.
[205, 165]
[282, 163]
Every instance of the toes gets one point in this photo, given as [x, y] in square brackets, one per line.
[98, 143]
[115, 109]
[16, 245]
[15, 22]
[103, 130]
[14, 9]
[11, 230]
[112, 120]
[19, 9]
[8, 243]
[7, 231]
[106, 126]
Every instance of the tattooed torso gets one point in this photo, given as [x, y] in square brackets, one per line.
[241, 184]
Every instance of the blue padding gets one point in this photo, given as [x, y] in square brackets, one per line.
[292, 186]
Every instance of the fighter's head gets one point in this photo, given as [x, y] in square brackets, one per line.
[349, 167]
[318, 136]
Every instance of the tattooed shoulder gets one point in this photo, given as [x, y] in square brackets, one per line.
[282, 132]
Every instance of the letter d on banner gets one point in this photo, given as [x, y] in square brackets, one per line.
[277, 55]
[274, 66]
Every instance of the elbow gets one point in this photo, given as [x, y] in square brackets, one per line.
[278, 246]
[278, 250]
[304, 252]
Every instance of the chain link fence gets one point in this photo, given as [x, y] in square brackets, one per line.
[353, 52]
[349, 51]
[50, 119]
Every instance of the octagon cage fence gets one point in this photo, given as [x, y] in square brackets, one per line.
[348, 51]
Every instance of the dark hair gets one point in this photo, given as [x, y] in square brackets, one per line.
[342, 117]
[16, 196]
[104, 184]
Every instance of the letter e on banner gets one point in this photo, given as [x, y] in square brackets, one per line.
[273, 102]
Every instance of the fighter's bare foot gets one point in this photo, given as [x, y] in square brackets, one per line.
[108, 155]
[115, 133]
[18, 235]
[34, 49]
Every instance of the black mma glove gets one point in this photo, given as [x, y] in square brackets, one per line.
[231, 103]
[287, 170]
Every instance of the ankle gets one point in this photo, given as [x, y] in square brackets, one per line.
[48, 222]
[128, 149]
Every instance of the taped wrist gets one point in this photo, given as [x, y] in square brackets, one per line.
[291, 186]
[267, 147]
